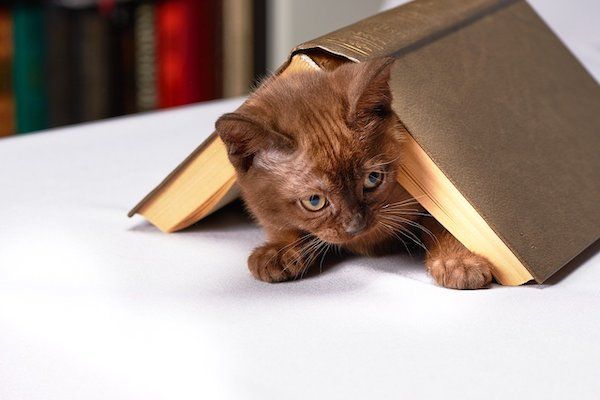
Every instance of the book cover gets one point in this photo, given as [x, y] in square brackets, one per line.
[28, 67]
[509, 101]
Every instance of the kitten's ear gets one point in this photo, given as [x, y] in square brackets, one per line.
[245, 135]
[369, 94]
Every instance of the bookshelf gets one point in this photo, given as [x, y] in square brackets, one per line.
[64, 62]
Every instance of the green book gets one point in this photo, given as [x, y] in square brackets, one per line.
[28, 68]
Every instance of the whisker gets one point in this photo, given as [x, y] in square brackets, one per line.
[407, 233]
[390, 230]
[407, 202]
[383, 163]
[414, 224]
[301, 252]
[411, 211]
[323, 258]
[290, 245]
[315, 254]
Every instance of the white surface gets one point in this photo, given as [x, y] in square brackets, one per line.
[97, 306]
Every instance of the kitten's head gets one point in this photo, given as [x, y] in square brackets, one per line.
[317, 151]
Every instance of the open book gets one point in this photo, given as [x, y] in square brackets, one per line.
[505, 132]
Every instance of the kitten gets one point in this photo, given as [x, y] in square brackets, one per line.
[315, 155]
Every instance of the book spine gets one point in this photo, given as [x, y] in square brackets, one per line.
[400, 29]
[7, 104]
[214, 37]
[171, 53]
[28, 68]
[186, 52]
[58, 65]
[204, 38]
[92, 66]
[121, 18]
[145, 57]
[259, 32]
[238, 63]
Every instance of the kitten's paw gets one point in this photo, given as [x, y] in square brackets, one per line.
[461, 272]
[275, 263]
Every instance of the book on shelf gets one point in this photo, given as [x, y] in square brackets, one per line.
[93, 75]
[503, 121]
[28, 67]
[145, 40]
[58, 66]
[64, 62]
[7, 103]
[121, 19]
[237, 37]
[244, 45]
[187, 51]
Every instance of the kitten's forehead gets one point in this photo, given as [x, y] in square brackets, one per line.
[313, 109]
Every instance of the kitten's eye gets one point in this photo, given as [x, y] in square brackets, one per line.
[373, 179]
[314, 202]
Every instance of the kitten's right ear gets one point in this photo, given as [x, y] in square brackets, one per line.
[246, 135]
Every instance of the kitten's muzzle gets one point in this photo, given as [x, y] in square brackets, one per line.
[357, 224]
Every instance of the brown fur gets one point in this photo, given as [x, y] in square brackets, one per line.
[323, 133]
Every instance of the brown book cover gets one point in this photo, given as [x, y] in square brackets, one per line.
[499, 106]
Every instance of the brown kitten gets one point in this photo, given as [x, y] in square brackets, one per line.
[316, 155]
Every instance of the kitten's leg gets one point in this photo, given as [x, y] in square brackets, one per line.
[279, 259]
[451, 264]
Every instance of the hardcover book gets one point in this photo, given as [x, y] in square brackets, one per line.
[28, 67]
[91, 55]
[7, 103]
[58, 30]
[503, 122]
[145, 57]
[187, 52]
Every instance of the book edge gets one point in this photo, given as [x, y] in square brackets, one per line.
[172, 174]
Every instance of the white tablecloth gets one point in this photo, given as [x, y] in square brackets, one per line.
[97, 306]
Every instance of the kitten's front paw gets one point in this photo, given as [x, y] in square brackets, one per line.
[461, 272]
[275, 263]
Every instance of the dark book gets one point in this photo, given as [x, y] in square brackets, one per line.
[92, 66]
[59, 70]
[28, 67]
[122, 56]
[7, 102]
[503, 122]
[259, 41]
[187, 49]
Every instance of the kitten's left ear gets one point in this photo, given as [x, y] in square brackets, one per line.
[245, 135]
[369, 94]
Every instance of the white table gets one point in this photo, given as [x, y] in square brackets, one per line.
[97, 306]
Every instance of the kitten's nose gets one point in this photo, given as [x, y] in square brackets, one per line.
[356, 224]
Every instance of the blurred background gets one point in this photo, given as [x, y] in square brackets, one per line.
[64, 62]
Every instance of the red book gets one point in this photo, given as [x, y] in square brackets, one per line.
[187, 46]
